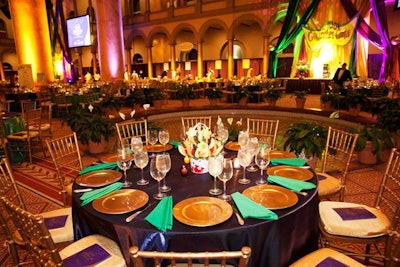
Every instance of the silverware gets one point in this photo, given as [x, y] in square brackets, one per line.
[133, 216]
[83, 190]
[301, 193]
[237, 213]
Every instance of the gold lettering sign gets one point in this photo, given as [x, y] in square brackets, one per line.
[330, 32]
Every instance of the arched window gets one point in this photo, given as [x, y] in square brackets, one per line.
[137, 59]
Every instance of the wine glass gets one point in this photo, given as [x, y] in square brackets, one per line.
[226, 175]
[262, 160]
[124, 162]
[152, 138]
[163, 137]
[136, 144]
[254, 147]
[163, 163]
[243, 139]
[215, 169]
[222, 135]
[158, 176]
[141, 160]
[244, 156]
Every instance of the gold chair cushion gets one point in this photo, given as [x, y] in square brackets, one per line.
[328, 186]
[316, 257]
[23, 135]
[334, 224]
[65, 233]
[115, 260]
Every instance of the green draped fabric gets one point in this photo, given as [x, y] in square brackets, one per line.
[287, 35]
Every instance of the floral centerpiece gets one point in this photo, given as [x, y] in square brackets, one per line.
[302, 69]
[199, 145]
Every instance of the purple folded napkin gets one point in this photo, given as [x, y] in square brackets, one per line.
[56, 222]
[330, 262]
[354, 213]
[87, 257]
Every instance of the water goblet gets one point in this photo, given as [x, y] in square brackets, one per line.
[152, 138]
[244, 156]
[163, 137]
[254, 147]
[243, 139]
[163, 163]
[136, 144]
[222, 136]
[226, 175]
[141, 160]
[262, 160]
[124, 162]
[215, 169]
[158, 176]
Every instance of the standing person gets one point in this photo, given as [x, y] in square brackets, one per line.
[341, 75]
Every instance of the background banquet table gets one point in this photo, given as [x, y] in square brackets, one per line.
[273, 243]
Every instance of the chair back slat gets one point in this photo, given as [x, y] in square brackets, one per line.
[131, 128]
[262, 128]
[188, 122]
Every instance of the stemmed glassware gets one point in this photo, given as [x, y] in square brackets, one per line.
[215, 169]
[163, 164]
[136, 144]
[253, 146]
[222, 135]
[124, 162]
[152, 138]
[141, 160]
[244, 156]
[243, 139]
[262, 160]
[226, 175]
[158, 176]
[163, 137]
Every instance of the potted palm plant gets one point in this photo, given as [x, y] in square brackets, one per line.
[272, 95]
[355, 101]
[307, 140]
[329, 100]
[241, 95]
[91, 126]
[300, 97]
[185, 92]
[158, 97]
[213, 94]
[371, 144]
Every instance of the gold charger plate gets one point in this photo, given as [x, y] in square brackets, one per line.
[98, 178]
[279, 154]
[290, 172]
[271, 196]
[202, 211]
[109, 158]
[121, 201]
[234, 146]
[157, 148]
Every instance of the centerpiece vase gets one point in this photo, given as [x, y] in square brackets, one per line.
[199, 165]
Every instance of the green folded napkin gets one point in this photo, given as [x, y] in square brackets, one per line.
[100, 166]
[92, 195]
[289, 161]
[175, 144]
[161, 215]
[250, 209]
[293, 184]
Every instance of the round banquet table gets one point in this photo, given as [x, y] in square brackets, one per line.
[273, 242]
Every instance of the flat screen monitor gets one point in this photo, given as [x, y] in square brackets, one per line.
[397, 4]
[78, 30]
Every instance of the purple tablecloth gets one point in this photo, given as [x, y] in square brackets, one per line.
[273, 243]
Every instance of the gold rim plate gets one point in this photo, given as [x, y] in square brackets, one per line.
[234, 146]
[98, 178]
[271, 196]
[109, 158]
[202, 211]
[290, 172]
[121, 201]
[279, 154]
[158, 148]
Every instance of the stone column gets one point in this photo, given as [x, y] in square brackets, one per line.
[173, 62]
[2, 74]
[230, 58]
[32, 37]
[110, 39]
[200, 60]
[149, 62]
[265, 54]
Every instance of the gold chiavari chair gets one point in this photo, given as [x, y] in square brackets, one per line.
[88, 251]
[189, 258]
[265, 129]
[366, 225]
[65, 154]
[131, 128]
[188, 122]
[336, 160]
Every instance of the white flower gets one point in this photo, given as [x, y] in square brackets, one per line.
[90, 107]
[111, 117]
[132, 113]
[122, 115]
[146, 106]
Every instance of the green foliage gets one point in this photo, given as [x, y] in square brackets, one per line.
[299, 94]
[185, 91]
[158, 95]
[389, 119]
[240, 93]
[112, 102]
[381, 139]
[307, 137]
[213, 93]
[137, 97]
[273, 94]
[90, 125]
[383, 104]
[330, 97]
[356, 98]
